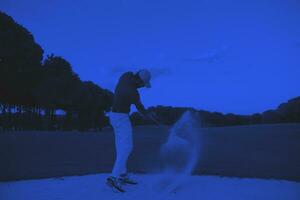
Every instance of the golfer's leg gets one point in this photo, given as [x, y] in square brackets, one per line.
[123, 144]
[127, 145]
[115, 122]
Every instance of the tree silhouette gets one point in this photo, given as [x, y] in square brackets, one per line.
[92, 102]
[31, 91]
[285, 113]
[20, 60]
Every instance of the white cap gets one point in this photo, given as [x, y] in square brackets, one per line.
[145, 76]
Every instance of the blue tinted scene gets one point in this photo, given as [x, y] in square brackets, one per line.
[150, 99]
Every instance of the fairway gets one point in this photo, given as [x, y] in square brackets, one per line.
[262, 151]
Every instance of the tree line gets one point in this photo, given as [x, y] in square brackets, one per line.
[288, 112]
[40, 92]
[33, 89]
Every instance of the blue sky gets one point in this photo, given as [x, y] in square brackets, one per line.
[227, 56]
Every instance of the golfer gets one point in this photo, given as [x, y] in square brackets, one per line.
[126, 94]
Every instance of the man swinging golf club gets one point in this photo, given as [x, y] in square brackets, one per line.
[126, 94]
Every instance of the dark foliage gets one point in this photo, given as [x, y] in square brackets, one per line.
[285, 113]
[32, 91]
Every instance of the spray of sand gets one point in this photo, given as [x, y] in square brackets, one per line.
[179, 154]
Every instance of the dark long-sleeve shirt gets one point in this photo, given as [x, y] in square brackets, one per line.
[126, 94]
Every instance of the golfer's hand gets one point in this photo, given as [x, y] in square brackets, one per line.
[151, 116]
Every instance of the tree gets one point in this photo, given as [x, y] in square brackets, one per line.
[20, 60]
[57, 87]
[92, 102]
[290, 111]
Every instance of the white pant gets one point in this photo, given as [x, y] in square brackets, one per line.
[123, 141]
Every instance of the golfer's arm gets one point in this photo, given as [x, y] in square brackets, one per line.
[139, 106]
